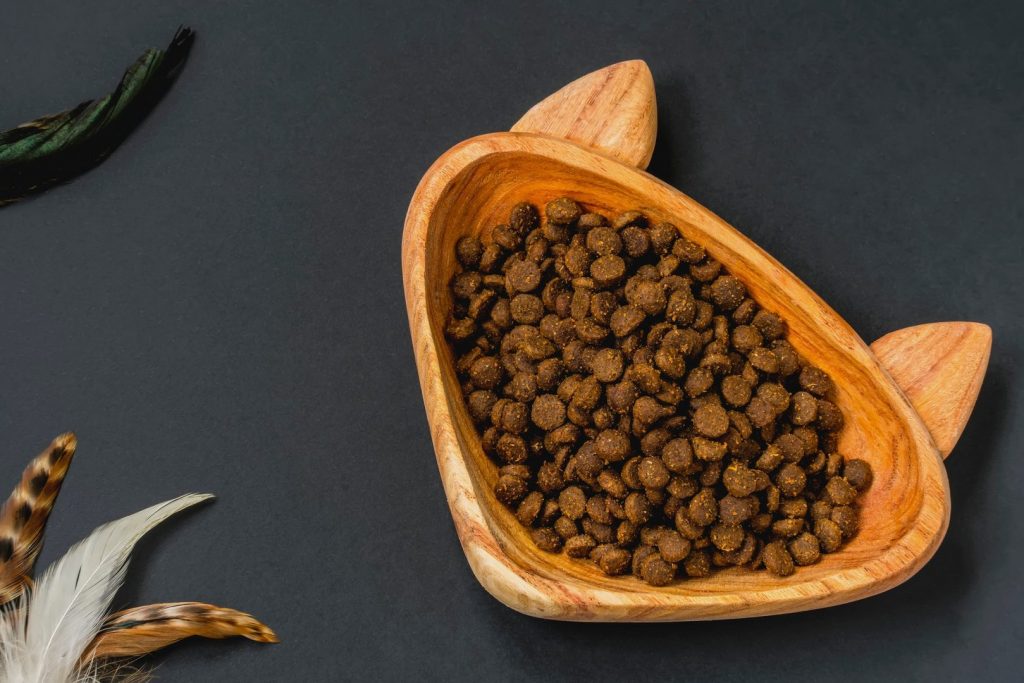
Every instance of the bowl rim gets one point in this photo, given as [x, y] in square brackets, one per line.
[522, 589]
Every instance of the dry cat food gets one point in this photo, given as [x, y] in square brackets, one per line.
[645, 413]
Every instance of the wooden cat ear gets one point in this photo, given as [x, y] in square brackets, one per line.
[612, 110]
[940, 368]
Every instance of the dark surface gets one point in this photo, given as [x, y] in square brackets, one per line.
[219, 306]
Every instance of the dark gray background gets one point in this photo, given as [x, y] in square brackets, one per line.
[219, 306]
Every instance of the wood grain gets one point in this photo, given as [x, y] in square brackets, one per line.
[471, 188]
[940, 367]
[612, 110]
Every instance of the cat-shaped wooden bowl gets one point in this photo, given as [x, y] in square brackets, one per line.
[906, 398]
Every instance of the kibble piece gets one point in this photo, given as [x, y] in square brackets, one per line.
[612, 445]
[726, 537]
[656, 571]
[468, 251]
[563, 211]
[739, 480]
[547, 412]
[622, 395]
[681, 308]
[794, 508]
[529, 508]
[546, 539]
[526, 309]
[677, 455]
[769, 325]
[708, 450]
[565, 527]
[711, 420]
[522, 387]
[672, 546]
[777, 559]
[524, 218]
[791, 480]
[804, 408]
[607, 270]
[614, 561]
[608, 365]
[511, 449]
[579, 545]
[858, 473]
[815, 380]
[549, 478]
[636, 241]
[510, 490]
[734, 511]
[697, 564]
[572, 502]
[746, 338]
[805, 549]
[839, 491]
[486, 372]
[480, 403]
[698, 381]
[638, 508]
[830, 418]
[846, 518]
[829, 535]
[604, 241]
[791, 447]
[736, 390]
[652, 473]
[703, 508]
[727, 292]
[523, 276]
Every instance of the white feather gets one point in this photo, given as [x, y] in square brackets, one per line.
[43, 637]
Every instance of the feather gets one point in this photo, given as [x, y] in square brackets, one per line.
[44, 636]
[141, 630]
[24, 515]
[53, 149]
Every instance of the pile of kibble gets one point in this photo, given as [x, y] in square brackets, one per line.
[644, 411]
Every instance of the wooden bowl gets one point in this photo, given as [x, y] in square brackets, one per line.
[906, 399]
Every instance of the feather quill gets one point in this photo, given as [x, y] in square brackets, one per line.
[53, 149]
[141, 630]
[43, 638]
[24, 515]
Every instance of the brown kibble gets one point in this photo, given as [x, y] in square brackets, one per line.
[804, 408]
[638, 508]
[697, 565]
[735, 390]
[739, 480]
[522, 387]
[805, 549]
[858, 473]
[791, 480]
[746, 338]
[777, 559]
[839, 491]
[671, 360]
[625, 320]
[547, 412]
[829, 535]
[764, 360]
[672, 546]
[727, 292]
[735, 511]
[815, 380]
[760, 412]
[711, 420]
[509, 416]
[703, 508]
[565, 527]
[604, 241]
[769, 325]
[687, 251]
[549, 478]
[607, 270]
[486, 372]
[511, 449]
[480, 403]
[846, 518]
[614, 561]
[636, 241]
[726, 537]
[656, 571]
[523, 276]
[677, 455]
[524, 218]
[529, 508]
[662, 237]
[608, 365]
[794, 508]
[546, 539]
[652, 473]
[468, 251]
[572, 502]
[510, 490]
[830, 418]
[612, 445]
[580, 545]
[526, 309]
[791, 447]
[698, 381]
[708, 450]
[621, 396]
[563, 211]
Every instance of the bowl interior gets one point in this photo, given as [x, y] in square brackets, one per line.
[480, 195]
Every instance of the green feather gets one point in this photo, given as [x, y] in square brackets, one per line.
[54, 149]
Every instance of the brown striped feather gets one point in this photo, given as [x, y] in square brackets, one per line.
[24, 515]
[141, 630]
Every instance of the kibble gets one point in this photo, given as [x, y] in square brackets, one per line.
[643, 412]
